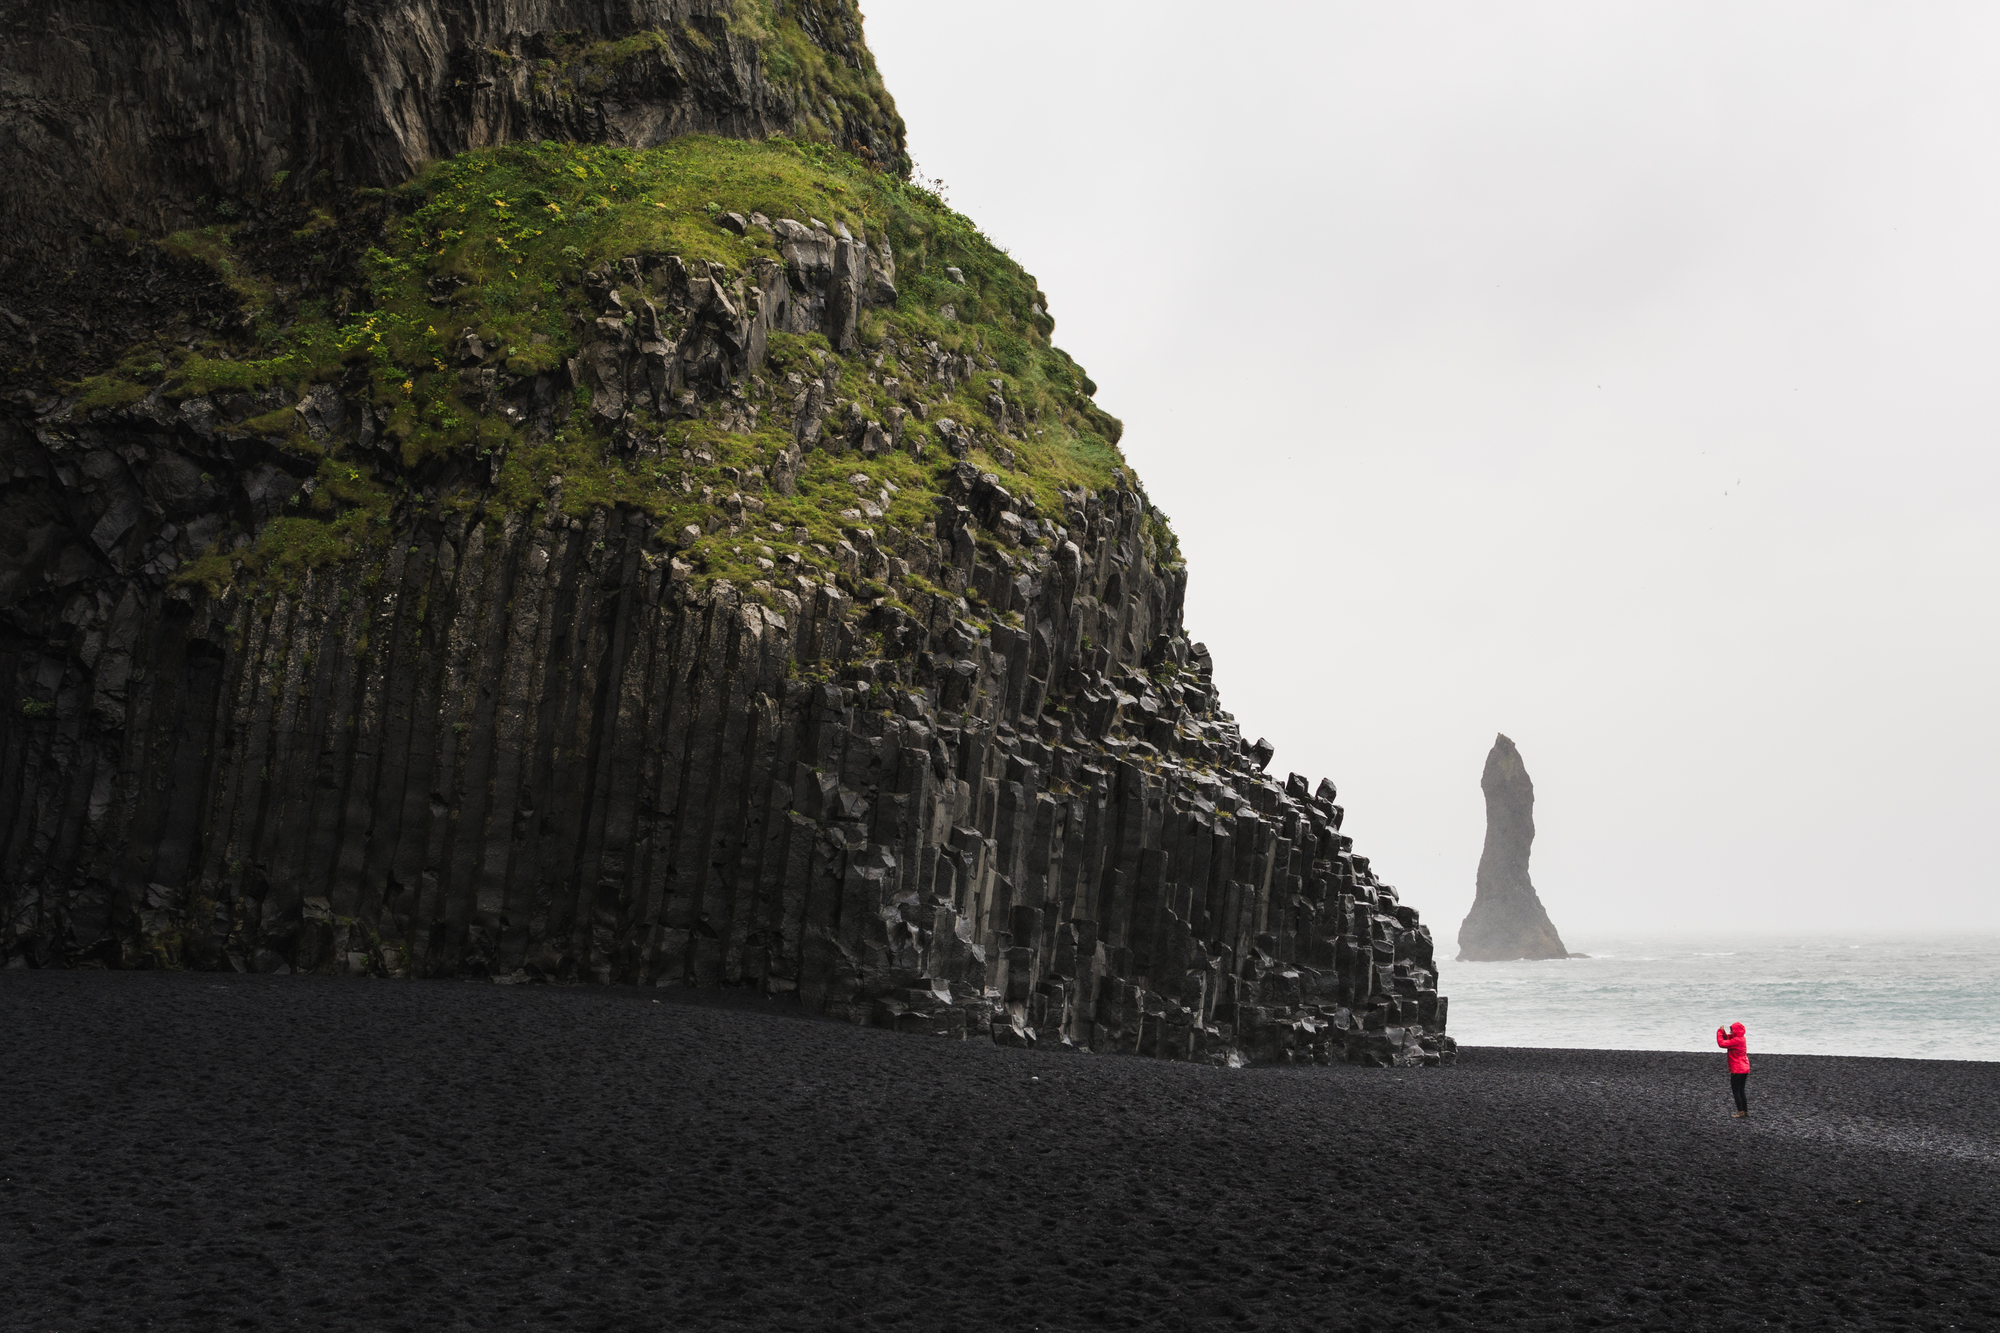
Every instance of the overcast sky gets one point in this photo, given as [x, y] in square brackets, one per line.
[1620, 377]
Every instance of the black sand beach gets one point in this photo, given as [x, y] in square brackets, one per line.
[214, 1152]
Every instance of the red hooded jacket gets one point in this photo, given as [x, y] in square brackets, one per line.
[1738, 1047]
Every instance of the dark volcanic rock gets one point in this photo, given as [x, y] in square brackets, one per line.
[129, 112]
[122, 118]
[967, 778]
[535, 750]
[1507, 919]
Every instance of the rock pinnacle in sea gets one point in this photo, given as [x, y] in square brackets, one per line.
[1507, 919]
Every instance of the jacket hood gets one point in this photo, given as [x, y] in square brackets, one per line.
[1736, 1029]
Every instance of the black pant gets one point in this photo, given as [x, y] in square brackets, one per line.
[1736, 1082]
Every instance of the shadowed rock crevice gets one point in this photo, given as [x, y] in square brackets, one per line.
[1507, 919]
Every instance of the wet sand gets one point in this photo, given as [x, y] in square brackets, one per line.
[214, 1152]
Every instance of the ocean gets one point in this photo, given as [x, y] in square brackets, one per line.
[1937, 1000]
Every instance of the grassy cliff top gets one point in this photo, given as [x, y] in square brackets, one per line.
[500, 243]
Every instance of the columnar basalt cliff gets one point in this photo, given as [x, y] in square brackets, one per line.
[1507, 919]
[584, 563]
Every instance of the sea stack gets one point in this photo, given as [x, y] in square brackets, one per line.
[1507, 919]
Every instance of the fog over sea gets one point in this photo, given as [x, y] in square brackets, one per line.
[1819, 995]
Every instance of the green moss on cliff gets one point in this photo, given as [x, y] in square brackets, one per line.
[212, 246]
[819, 80]
[496, 244]
[101, 393]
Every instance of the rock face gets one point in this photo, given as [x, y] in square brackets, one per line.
[122, 113]
[1507, 919]
[122, 118]
[973, 780]
[531, 753]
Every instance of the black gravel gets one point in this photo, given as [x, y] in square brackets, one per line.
[216, 1152]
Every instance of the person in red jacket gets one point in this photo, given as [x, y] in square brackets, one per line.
[1738, 1047]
